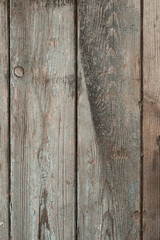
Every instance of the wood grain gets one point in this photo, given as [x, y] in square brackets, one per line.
[151, 121]
[42, 120]
[109, 119]
[4, 123]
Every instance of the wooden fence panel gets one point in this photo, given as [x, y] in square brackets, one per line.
[42, 119]
[4, 123]
[109, 119]
[151, 120]
[38, 120]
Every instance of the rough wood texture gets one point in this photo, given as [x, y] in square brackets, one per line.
[151, 120]
[109, 120]
[4, 140]
[42, 120]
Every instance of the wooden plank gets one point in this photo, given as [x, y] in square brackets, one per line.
[109, 119]
[151, 120]
[4, 123]
[42, 119]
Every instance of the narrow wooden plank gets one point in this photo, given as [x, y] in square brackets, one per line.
[42, 119]
[4, 123]
[151, 120]
[109, 119]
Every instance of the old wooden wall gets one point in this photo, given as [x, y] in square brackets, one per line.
[79, 120]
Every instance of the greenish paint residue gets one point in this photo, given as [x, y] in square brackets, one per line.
[132, 193]
[134, 231]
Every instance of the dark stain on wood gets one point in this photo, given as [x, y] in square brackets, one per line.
[136, 215]
[101, 60]
[158, 141]
[102, 63]
[43, 215]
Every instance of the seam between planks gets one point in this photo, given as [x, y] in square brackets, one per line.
[141, 120]
[76, 117]
[9, 125]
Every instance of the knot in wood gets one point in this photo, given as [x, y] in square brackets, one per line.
[19, 71]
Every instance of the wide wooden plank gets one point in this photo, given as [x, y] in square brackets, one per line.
[151, 120]
[109, 119]
[42, 119]
[4, 123]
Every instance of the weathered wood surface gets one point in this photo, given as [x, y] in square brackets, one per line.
[151, 120]
[42, 119]
[4, 123]
[109, 119]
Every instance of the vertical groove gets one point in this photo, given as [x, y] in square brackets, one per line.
[141, 137]
[9, 125]
[76, 119]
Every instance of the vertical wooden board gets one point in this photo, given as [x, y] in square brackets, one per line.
[151, 120]
[42, 119]
[4, 123]
[109, 119]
